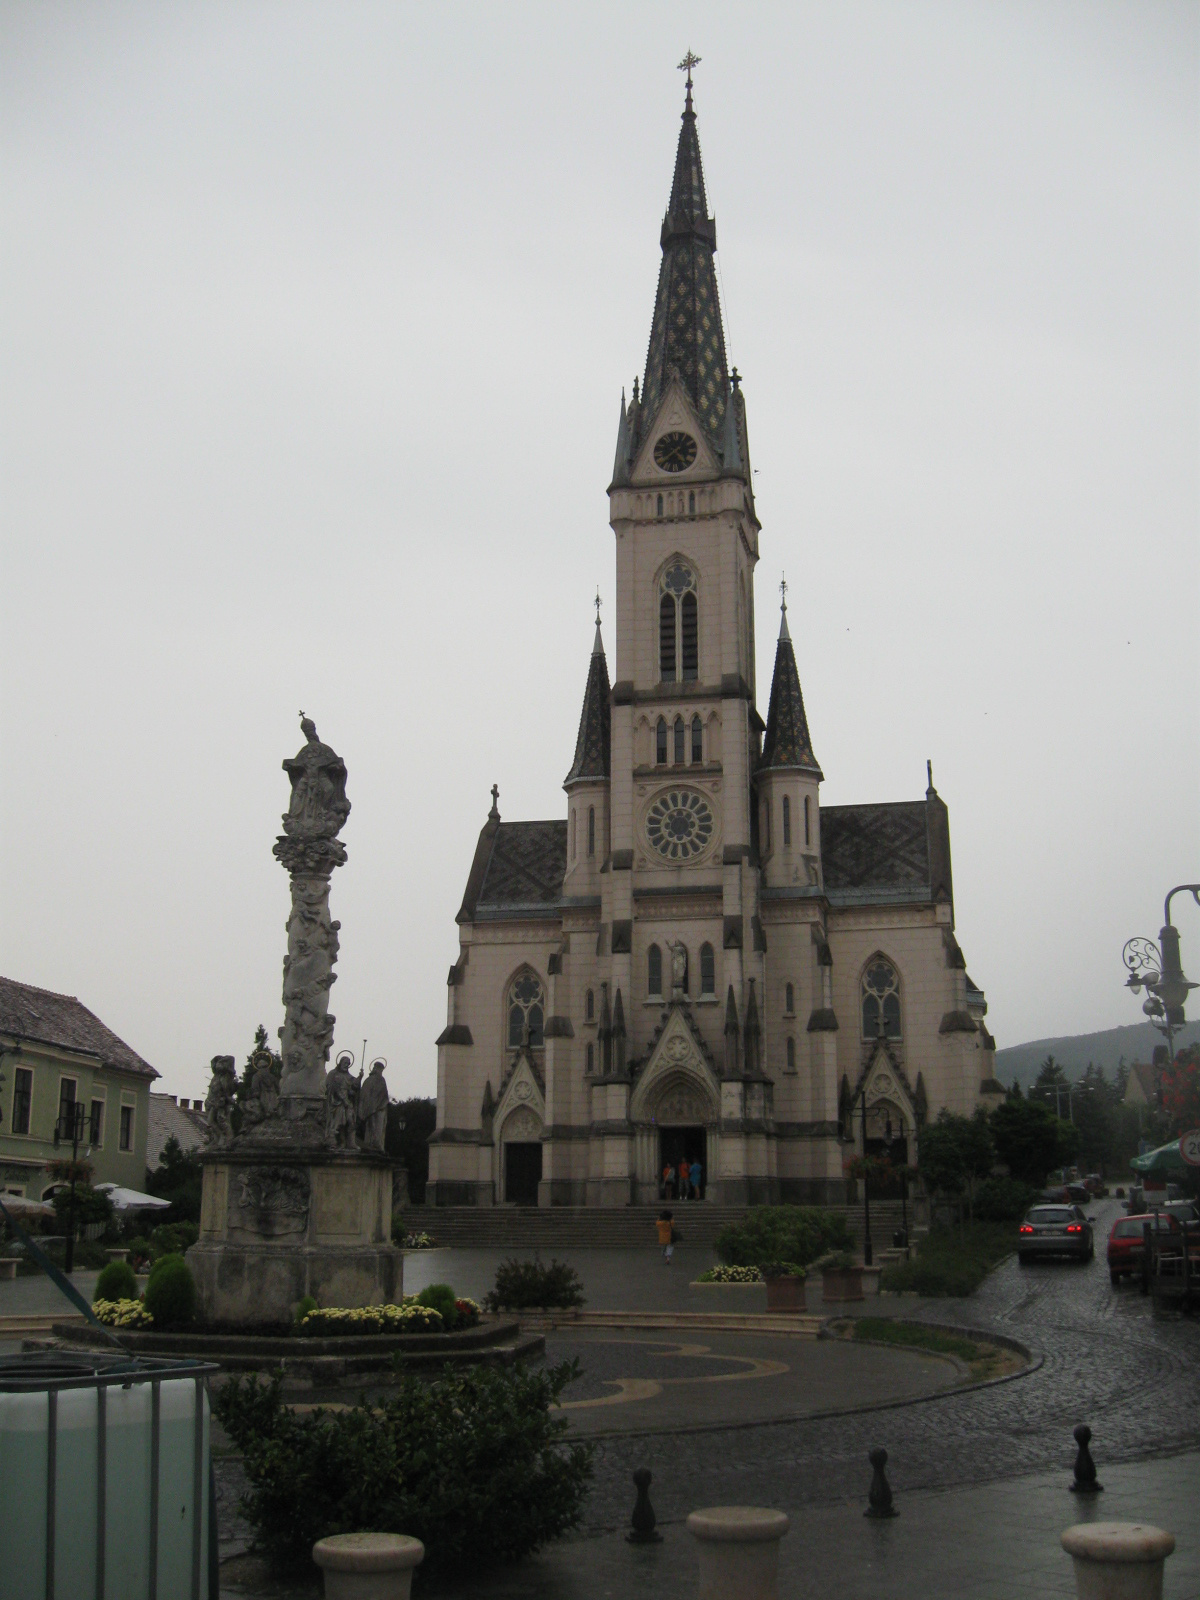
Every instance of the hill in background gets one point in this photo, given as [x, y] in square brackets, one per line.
[1074, 1051]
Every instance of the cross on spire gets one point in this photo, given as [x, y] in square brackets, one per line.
[597, 605]
[495, 811]
[783, 591]
[689, 61]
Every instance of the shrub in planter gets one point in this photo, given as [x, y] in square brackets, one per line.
[781, 1269]
[731, 1275]
[116, 1282]
[475, 1465]
[439, 1297]
[171, 1293]
[524, 1284]
[782, 1233]
[304, 1307]
[468, 1312]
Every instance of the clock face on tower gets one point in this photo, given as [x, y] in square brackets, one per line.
[675, 452]
[679, 824]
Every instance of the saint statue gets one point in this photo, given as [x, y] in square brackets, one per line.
[373, 1107]
[678, 967]
[218, 1103]
[262, 1103]
[341, 1096]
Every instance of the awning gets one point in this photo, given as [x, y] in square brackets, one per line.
[131, 1200]
[1165, 1159]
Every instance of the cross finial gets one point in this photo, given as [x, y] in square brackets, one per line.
[782, 592]
[495, 811]
[689, 61]
[597, 605]
[735, 378]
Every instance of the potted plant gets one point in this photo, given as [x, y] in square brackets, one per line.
[785, 1285]
[841, 1277]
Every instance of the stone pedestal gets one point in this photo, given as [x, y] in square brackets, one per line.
[368, 1566]
[1118, 1560]
[738, 1547]
[277, 1224]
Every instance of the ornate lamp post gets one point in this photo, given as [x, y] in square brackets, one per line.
[868, 1256]
[1157, 969]
[69, 1130]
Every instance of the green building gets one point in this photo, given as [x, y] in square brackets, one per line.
[55, 1053]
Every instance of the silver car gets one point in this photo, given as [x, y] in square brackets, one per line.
[1055, 1230]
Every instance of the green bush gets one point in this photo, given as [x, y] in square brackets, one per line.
[89, 1255]
[173, 1238]
[116, 1282]
[781, 1269]
[782, 1233]
[474, 1464]
[522, 1284]
[1003, 1200]
[953, 1261]
[91, 1205]
[170, 1296]
[303, 1308]
[439, 1297]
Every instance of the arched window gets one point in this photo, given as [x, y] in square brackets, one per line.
[589, 1006]
[787, 820]
[526, 1007]
[572, 833]
[680, 742]
[708, 970]
[691, 502]
[654, 972]
[697, 740]
[880, 998]
[666, 638]
[807, 827]
[591, 830]
[660, 742]
[678, 632]
[691, 637]
[791, 1055]
[660, 505]
[591, 1057]
[789, 1000]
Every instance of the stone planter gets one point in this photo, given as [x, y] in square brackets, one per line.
[738, 1550]
[842, 1283]
[785, 1294]
[368, 1566]
[1118, 1560]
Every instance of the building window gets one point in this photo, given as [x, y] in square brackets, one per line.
[789, 1000]
[654, 972]
[691, 502]
[791, 1055]
[591, 1057]
[22, 1099]
[526, 1007]
[881, 999]
[680, 742]
[787, 821]
[589, 1006]
[708, 970]
[96, 1123]
[660, 742]
[677, 625]
[807, 832]
[697, 740]
[660, 505]
[66, 1106]
[591, 830]
[126, 1127]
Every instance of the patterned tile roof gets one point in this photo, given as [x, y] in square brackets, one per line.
[875, 847]
[527, 865]
[686, 333]
[44, 1017]
[787, 742]
[593, 742]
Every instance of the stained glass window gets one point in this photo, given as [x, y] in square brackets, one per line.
[881, 999]
[680, 742]
[526, 1005]
[660, 742]
[654, 972]
[678, 625]
[697, 740]
[708, 970]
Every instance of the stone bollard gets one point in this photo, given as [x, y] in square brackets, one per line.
[879, 1500]
[368, 1566]
[1085, 1468]
[1118, 1560]
[641, 1524]
[739, 1552]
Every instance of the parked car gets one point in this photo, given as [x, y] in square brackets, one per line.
[1187, 1214]
[1126, 1243]
[1055, 1230]
[1095, 1185]
[1079, 1194]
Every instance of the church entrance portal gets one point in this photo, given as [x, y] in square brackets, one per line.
[683, 1144]
[522, 1173]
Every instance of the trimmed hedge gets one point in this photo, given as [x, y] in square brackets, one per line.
[116, 1282]
[782, 1233]
[170, 1296]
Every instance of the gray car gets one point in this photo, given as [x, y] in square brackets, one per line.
[1055, 1230]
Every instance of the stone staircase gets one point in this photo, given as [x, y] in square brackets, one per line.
[527, 1228]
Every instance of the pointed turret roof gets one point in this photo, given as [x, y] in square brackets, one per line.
[595, 721]
[686, 336]
[787, 742]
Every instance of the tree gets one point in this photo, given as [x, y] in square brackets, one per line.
[242, 1089]
[410, 1144]
[1181, 1091]
[956, 1154]
[179, 1179]
[1031, 1140]
[1050, 1082]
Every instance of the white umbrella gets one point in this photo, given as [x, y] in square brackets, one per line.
[20, 1206]
[131, 1200]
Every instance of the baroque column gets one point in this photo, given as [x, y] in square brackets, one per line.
[310, 849]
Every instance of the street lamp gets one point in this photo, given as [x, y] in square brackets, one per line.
[868, 1256]
[1157, 969]
[69, 1130]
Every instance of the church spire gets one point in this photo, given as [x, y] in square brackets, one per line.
[787, 742]
[686, 336]
[594, 740]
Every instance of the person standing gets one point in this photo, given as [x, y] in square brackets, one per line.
[666, 1235]
[668, 1181]
[696, 1175]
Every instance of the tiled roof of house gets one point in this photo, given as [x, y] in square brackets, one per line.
[44, 1017]
[169, 1119]
[525, 869]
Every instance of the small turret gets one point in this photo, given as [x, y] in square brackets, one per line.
[587, 783]
[788, 777]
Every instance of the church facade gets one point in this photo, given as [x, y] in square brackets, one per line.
[698, 960]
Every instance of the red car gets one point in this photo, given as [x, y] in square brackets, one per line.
[1125, 1242]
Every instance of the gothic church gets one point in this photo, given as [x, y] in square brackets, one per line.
[700, 960]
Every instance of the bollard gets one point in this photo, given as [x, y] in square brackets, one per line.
[880, 1498]
[368, 1566]
[1085, 1467]
[642, 1522]
[738, 1548]
[1118, 1560]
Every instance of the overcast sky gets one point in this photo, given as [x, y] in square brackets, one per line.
[315, 322]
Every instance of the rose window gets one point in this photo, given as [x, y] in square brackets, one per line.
[679, 824]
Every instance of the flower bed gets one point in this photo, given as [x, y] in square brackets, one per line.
[731, 1275]
[122, 1314]
[418, 1241]
[406, 1318]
